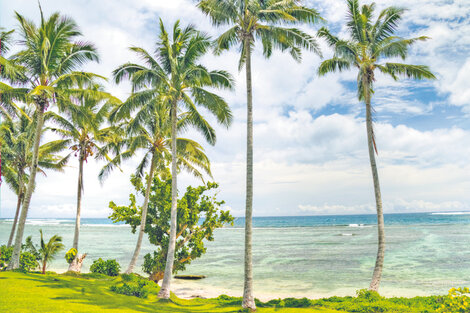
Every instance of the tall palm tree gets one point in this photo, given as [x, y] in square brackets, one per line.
[17, 137]
[175, 75]
[150, 130]
[370, 42]
[51, 54]
[49, 250]
[249, 21]
[9, 70]
[82, 126]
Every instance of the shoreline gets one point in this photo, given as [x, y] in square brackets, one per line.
[190, 289]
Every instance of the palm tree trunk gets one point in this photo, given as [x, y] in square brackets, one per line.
[143, 219]
[18, 207]
[79, 200]
[15, 258]
[79, 205]
[375, 283]
[170, 258]
[248, 298]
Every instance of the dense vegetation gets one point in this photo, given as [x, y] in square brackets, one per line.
[45, 75]
[199, 214]
[132, 293]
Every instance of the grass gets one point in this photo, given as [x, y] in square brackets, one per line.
[91, 293]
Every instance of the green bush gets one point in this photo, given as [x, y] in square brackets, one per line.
[457, 301]
[109, 267]
[138, 290]
[112, 268]
[70, 255]
[134, 285]
[371, 302]
[5, 256]
[28, 262]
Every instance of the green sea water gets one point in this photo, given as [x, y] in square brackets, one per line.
[426, 254]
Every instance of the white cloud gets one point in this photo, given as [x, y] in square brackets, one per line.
[304, 164]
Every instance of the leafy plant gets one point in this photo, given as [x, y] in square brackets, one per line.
[70, 255]
[135, 285]
[28, 258]
[457, 301]
[109, 267]
[49, 250]
[198, 212]
[28, 262]
[5, 256]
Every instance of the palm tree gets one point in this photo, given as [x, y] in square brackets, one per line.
[49, 59]
[252, 20]
[17, 137]
[175, 75]
[9, 70]
[48, 250]
[369, 43]
[82, 127]
[150, 130]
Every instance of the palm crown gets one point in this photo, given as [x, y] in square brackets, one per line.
[369, 43]
[81, 125]
[262, 20]
[17, 138]
[52, 54]
[150, 130]
[174, 77]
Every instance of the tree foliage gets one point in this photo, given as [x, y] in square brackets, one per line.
[199, 214]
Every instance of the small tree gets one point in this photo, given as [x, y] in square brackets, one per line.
[199, 214]
[48, 251]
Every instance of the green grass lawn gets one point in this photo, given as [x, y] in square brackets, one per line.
[60, 293]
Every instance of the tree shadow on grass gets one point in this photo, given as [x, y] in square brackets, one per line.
[98, 294]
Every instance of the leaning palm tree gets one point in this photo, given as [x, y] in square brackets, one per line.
[150, 131]
[253, 20]
[17, 138]
[51, 54]
[175, 76]
[48, 251]
[370, 42]
[82, 126]
[9, 70]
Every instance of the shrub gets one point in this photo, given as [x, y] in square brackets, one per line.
[368, 295]
[109, 267]
[70, 255]
[112, 268]
[28, 262]
[138, 290]
[457, 301]
[98, 266]
[5, 256]
[134, 285]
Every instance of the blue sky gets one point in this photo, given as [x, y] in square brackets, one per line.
[310, 144]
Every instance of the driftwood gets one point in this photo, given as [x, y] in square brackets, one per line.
[190, 277]
[76, 265]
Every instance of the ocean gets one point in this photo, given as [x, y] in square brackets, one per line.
[312, 256]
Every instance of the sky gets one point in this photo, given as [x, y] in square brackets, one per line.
[310, 147]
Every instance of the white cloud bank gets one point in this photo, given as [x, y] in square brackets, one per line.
[304, 163]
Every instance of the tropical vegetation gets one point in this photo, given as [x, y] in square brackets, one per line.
[253, 21]
[45, 90]
[50, 60]
[199, 214]
[82, 127]
[175, 77]
[370, 42]
[17, 138]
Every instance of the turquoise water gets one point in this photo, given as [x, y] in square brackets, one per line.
[301, 256]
